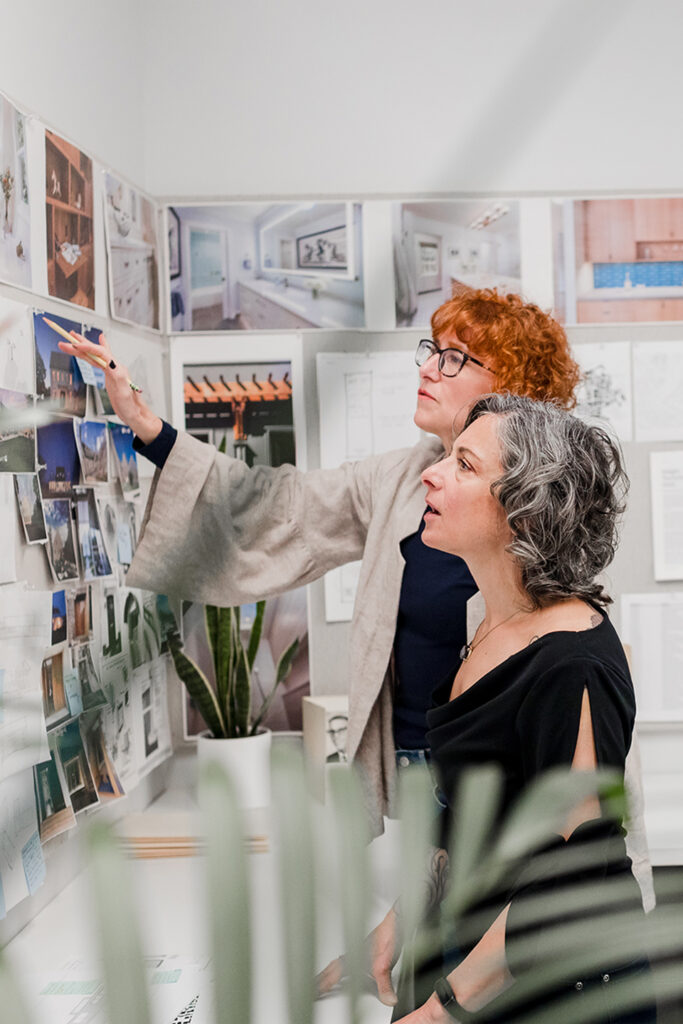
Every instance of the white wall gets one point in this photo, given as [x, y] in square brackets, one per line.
[79, 66]
[393, 97]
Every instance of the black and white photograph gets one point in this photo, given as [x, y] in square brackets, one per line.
[61, 543]
[30, 503]
[256, 266]
[119, 525]
[92, 694]
[91, 547]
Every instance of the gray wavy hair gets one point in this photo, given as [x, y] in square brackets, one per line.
[563, 490]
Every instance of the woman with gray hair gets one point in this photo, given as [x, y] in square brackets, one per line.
[530, 497]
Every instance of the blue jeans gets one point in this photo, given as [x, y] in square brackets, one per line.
[406, 758]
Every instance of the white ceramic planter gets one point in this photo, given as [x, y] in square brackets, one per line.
[246, 760]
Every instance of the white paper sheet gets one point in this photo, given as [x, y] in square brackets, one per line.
[604, 396]
[22, 867]
[25, 632]
[150, 711]
[8, 530]
[366, 405]
[179, 992]
[653, 625]
[16, 347]
[666, 488]
[658, 387]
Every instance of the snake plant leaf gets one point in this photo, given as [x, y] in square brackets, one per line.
[255, 635]
[282, 670]
[242, 693]
[119, 938]
[228, 896]
[198, 687]
[211, 623]
[223, 661]
[298, 873]
[14, 1009]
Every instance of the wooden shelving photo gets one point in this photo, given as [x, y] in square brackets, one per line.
[69, 209]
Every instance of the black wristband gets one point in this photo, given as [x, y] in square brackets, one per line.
[446, 996]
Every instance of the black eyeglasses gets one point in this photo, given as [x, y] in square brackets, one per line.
[451, 360]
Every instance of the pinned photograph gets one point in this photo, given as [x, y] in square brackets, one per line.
[78, 777]
[92, 694]
[58, 617]
[17, 445]
[126, 458]
[79, 614]
[55, 813]
[15, 235]
[104, 774]
[111, 629]
[119, 523]
[272, 266]
[58, 376]
[94, 558]
[325, 725]
[442, 248]
[61, 545]
[30, 507]
[91, 442]
[16, 347]
[58, 463]
[248, 405]
[69, 215]
[55, 703]
[137, 640]
[132, 232]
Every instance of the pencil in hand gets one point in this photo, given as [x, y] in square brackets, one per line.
[88, 356]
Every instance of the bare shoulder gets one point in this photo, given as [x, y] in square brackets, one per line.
[573, 614]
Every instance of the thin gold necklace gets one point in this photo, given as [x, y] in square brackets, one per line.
[467, 649]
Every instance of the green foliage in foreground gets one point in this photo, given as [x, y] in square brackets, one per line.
[478, 865]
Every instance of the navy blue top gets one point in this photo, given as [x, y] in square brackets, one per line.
[431, 628]
[158, 450]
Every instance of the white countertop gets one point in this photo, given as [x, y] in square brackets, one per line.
[325, 311]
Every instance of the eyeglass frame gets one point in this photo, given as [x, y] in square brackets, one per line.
[442, 357]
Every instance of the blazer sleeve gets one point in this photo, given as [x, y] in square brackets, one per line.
[218, 532]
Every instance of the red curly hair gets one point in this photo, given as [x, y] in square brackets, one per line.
[526, 348]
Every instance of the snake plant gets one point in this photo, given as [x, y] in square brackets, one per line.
[226, 706]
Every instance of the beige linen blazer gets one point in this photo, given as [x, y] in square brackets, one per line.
[217, 532]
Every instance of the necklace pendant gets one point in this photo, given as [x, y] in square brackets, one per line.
[465, 652]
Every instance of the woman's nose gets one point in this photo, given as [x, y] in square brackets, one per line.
[430, 476]
[430, 368]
